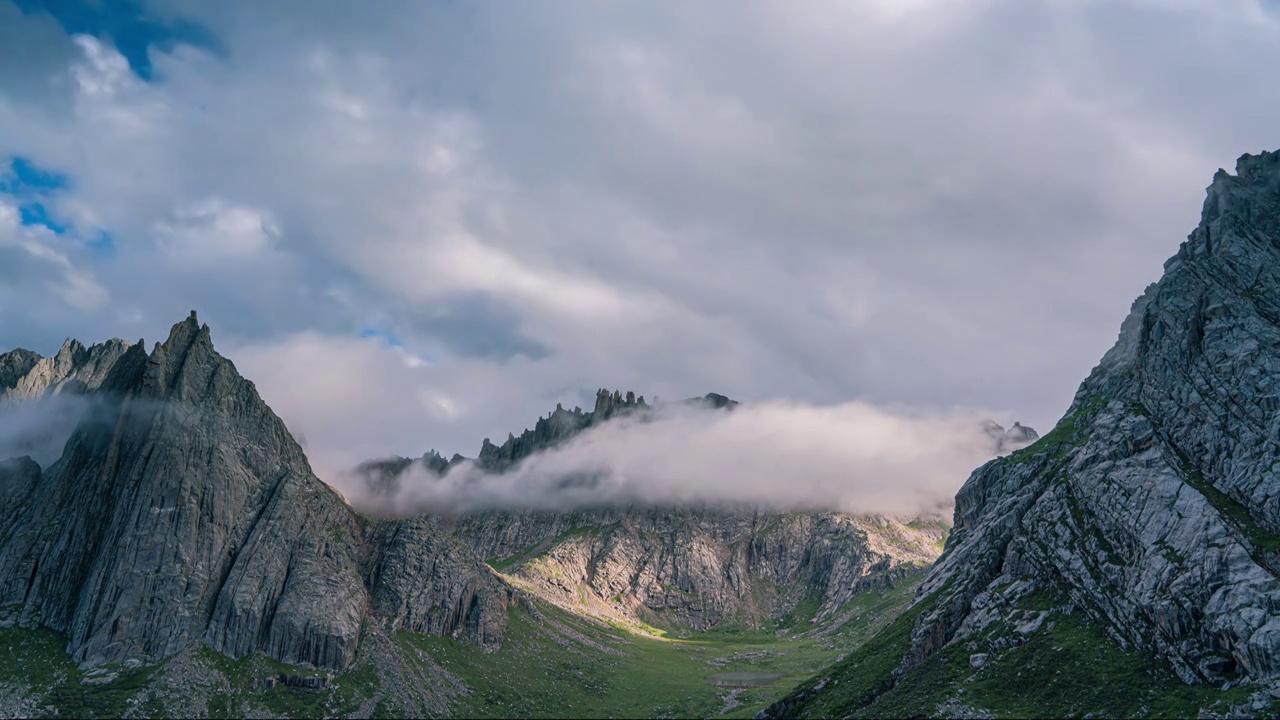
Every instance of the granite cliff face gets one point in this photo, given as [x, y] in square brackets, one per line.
[182, 510]
[25, 375]
[1155, 499]
[699, 568]
[687, 568]
[1154, 505]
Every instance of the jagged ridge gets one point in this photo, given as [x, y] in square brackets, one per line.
[182, 510]
[684, 567]
[1154, 505]
[382, 476]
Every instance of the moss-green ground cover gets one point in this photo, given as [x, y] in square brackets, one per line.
[552, 664]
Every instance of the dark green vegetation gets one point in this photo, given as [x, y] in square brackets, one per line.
[862, 676]
[552, 664]
[561, 665]
[36, 659]
[36, 666]
[1044, 658]
[1070, 431]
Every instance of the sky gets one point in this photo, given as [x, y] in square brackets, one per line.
[418, 224]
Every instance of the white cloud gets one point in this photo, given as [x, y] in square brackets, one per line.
[853, 456]
[73, 285]
[214, 231]
[826, 202]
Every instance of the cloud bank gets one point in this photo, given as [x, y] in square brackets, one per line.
[41, 426]
[853, 457]
[826, 201]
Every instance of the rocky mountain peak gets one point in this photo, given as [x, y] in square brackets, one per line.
[1238, 210]
[717, 401]
[611, 404]
[183, 511]
[25, 375]
[14, 365]
[1013, 438]
[69, 353]
[1152, 507]
[557, 427]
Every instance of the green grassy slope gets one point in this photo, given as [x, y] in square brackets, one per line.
[1067, 666]
[552, 664]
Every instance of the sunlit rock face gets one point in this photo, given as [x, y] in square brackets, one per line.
[24, 375]
[689, 566]
[700, 568]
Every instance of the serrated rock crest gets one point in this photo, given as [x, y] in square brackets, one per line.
[1155, 501]
[183, 511]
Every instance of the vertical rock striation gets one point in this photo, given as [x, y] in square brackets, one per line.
[182, 510]
[698, 567]
[24, 375]
[694, 567]
[1155, 502]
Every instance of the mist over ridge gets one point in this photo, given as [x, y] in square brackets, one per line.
[851, 457]
[854, 456]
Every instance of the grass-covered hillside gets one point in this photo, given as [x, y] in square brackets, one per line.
[1041, 657]
[552, 663]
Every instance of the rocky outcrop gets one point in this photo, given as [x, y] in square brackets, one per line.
[384, 476]
[416, 566]
[1014, 438]
[1155, 502]
[688, 567]
[43, 399]
[558, 427]
[25, 375]
[184, 511]
[715, 401]
[14, 365]
[698, 568]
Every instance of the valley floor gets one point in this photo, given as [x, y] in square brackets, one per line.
[552, 664]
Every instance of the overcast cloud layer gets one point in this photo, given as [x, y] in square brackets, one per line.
[425, 225]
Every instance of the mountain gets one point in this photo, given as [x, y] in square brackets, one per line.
[693, 569]
[62, 383]
[75, 369]
[1015, 438]
[684, 569]
[181, 511]
[1128, 562]
[383, 476]
[178, 557]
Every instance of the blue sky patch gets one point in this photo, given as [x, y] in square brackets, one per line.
[132, 29]
[35, 214]
[26, 175]
[103, 244]
[392, 339]
[33, 185]
[28, 182]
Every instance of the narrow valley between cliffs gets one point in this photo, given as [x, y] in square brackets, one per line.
[167, 550]
[179, 558]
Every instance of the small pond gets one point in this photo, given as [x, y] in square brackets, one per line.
[743, 679]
